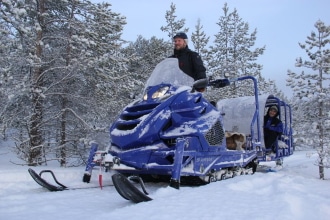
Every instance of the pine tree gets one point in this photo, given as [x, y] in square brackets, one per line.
[233, 54]
[173, 25]
[200, 42]
[65, 64]
[311, 92]
[27, 28]
[8, 45]
[144, 56]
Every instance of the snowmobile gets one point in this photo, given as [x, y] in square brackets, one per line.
[174, 134]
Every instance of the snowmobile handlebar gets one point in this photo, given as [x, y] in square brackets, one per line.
[219, 83]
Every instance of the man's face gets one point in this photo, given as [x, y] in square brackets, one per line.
[179, 43]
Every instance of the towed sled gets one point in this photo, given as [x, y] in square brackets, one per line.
[173, 134]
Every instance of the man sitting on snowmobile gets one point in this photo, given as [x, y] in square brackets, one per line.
[190, 62]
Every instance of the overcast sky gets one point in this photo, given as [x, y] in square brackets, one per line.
[280, 24]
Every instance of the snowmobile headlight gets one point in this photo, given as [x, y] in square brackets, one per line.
[160, 92]
[145, 97]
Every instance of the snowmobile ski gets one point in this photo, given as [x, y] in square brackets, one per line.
[127, 190]
[44, 183]
[53, 188]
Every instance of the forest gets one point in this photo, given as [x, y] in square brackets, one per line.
[66, 73]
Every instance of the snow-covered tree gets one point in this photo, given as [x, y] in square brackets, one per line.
[200, 42]
[24, 78]
[62, 72]
[269, 87]
[233, 53]
[311, 94]
[145, 55]
[173, 24]
[7, 47]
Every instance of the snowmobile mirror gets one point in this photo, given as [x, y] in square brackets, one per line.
[220, 83]
[200, 84]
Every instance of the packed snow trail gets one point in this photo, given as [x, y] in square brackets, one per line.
[294, 192]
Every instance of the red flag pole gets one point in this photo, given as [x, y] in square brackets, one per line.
[100, 176]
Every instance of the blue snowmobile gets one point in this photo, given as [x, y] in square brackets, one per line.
[173, 134]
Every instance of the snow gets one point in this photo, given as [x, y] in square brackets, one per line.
[293, 192]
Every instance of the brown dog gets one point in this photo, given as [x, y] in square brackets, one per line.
[235, 141]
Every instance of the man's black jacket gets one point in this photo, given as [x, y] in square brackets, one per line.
[190, 63]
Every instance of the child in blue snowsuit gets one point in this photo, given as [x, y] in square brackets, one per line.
[273, 127]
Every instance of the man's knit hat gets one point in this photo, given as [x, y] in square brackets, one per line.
[180, 35]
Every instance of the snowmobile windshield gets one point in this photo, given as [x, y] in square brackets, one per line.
[168, 72]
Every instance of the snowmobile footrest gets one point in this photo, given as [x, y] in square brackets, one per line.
[127, 190]
[44, 183]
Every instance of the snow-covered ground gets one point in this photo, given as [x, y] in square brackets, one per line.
[294, 192]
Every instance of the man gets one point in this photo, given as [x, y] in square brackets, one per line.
[273, 127]
[189, 61]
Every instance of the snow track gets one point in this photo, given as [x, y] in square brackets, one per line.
[294, 192]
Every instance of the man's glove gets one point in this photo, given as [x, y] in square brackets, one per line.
[201, 90]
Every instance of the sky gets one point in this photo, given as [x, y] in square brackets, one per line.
[292, 192]
[280, 24]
